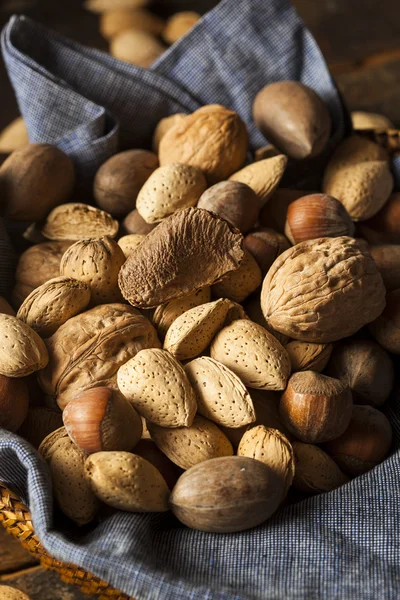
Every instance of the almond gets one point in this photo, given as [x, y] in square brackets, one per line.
[76, 221]
[166, 314]
[305, 356]
[221, 396]
[188, 446]
[238, 285]
[253, 354]
[129, 243]
[22, 351]
[157, 386]
[263, 176]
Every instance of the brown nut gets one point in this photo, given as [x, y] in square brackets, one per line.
[76, 221]
[253, 310]
[102, 6]
[253, 354]
[39, 423]
[129, 243]
[95, 262]
[386, 328]
[265, 245]
[162, 128]
[272, 448]
[315, 472]
[14, 402]
[34, 180]
[10, 593]
[179, 24]
[315, 408]
[387, 258]
[14, 136]
[305, 356]
[322, 290]
[135, 224]
[127, 482]
[6, 308]
[384, 227]
[366, 368]
[22, 351]
[239, 284]
[168, 189]
[136, 47]
[226, 495]
[213, 138]
[316, 216]
[162, 268]
[166, 314]
[53, 303]
[101, 419]
[234, 201]
[113, 22]
[267, 151]
[274, 212]
[293, 118]
[120, 178]
[263, 177]
[370, 120]
[364, 444]
[147, 449]
[352, 151]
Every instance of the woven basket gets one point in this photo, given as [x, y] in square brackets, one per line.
[16, 518]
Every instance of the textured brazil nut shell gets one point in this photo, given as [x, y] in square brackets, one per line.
[157, 386]
[253, 354]
[263, 176]
[162, 268]
[22, 351]
[221, 395]
[88, 349]
[165, 314]
[76, 221]
[213, 138]
[323, 290]
[53, 303]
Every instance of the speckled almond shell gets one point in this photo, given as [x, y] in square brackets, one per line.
[165, 314]
[10, 593]
[253, 354]
[221, 396]
[168, 189]
[306, 356]
[22, 351]
[53, 303]
[189, 250]
[188, 446]
[129, 243]
[352, 151]
[88, 349]
[157, 386]
[322, 290]
[194, 330]
[127, 482]
[272, 448]
[315, 471]
[263, 176]
[238, 285]
[76, 221]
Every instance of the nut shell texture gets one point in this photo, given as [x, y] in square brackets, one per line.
[165, 314]
[22, 351]
[322, 290]
[263, 176]
[10, 593]
[315, 471]
[78, 222]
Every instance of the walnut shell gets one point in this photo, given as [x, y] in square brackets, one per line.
[162, 128]
[305, 356]
[53, 303]
[97, 263]
[161, 269]
[88, 349]
[263, 176]
[213, 138]
[323, 290]
[76, 221]
[22, 351]
[136, 47]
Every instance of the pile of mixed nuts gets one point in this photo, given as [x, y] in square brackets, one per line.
[217, 354]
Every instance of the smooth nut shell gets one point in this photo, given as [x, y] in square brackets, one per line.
[6, 308]
[274, 212]
[386, 328]
[22, 351]
[226, 495]
[265, 245]
[14, 402]
[315, 471]
[263, 176]
[113, 22]
[384, 227]
[77, 221]
[387, 259]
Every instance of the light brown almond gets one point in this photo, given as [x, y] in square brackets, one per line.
[22, 351]
[263, 176]
[239, 284]
[129, 243]
[165, 314]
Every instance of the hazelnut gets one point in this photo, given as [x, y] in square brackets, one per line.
[305, 356]
[265, 245]
[134, 223]
[293, 118]
[120, 178]
[234, 201]
[316, 216]
[364, 444]
[386, 328]
[384, 227]
[14, 402]
[315, 408]
[314, 471]
[387, 258]
[101, 419]
[366, 368]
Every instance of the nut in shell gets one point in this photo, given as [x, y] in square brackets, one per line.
[386, 328]
[162, 128]
[129, 243]
[263, 176]
[306, 356]
[136, 47]
[315, 471]
[265, 245]
[238, 285]
[22, 351]
[76, 221]
[166, 314]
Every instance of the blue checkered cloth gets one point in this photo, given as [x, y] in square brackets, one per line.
[342, 545]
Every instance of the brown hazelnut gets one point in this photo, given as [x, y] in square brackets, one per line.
[234, 201]
[293, 118]
[305, 356]
[35, 179]
[134, 223]
[147, 449]
[314, 471]
[120, 178]
[364, 444]
[101, 419]
[14, 402]
[384, 227]
[265, 245]
[386, 328]
[273, 214]
[315, 408]
[387, 258]
[366, 368]
[316, 216]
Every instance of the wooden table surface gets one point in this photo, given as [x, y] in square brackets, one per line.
[361, 42]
